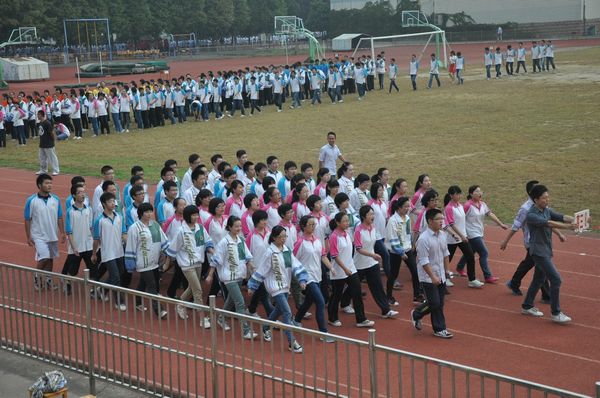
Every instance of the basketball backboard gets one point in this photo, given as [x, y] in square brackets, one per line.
[286, 24]
[414, 18]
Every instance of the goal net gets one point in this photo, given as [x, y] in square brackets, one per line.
[403, 46]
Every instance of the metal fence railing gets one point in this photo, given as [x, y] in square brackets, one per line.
[75, 323]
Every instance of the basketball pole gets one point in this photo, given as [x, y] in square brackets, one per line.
[77, 70]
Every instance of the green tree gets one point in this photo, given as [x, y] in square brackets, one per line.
[317, 19]
[219, 17]
[241, 18]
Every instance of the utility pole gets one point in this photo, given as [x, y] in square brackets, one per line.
[583, 12]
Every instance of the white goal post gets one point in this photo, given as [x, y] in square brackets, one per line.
[439, 36]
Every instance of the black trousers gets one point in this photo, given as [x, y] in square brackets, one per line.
[521, 64]
[352, 293]
[147, 284]
[509, 68]
[380, 78]
[73, 261]
[434, 305]
[373, 277]
[104, 124]
[78, 128]
[411, 264]
[522, 269]
[467, 252]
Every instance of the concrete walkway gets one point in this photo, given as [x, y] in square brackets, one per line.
[18, 373]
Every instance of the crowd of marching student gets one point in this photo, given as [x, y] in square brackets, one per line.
[147, 104]
[281, 233]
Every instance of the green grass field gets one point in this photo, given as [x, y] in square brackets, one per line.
[498, 134]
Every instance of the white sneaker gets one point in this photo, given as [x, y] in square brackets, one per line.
[449, 283]
[295, 347]
[365, 324]
[444, 334]
[477, 284]
[390, 314]
[141, 307]
[337, 323]
[307, 315]
[560, 318]
[267, 336]
[223, 324]
[327, 339]
[348, 309]
[55, 173]
[250, 335]
[163, 314]
[206, 323]
[121, 307]
[181, 311]
[532, 311]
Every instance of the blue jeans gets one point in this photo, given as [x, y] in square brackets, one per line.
[313, 295]
[282, 308]
[296, 98]
[21, 134]
[181, 113]
[331, 92]
[316, 96]
[95, 125]
[114, 276]
[170, 115]
[360, 87]
[237, 104]
[488, 73]
[459, 76]
[544, 268]
[116, 117]
[338, 93]
[478, 246]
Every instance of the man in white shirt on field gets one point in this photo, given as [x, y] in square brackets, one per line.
[330, 153]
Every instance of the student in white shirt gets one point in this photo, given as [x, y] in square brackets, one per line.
[367, 261]
[550, 56]
[198, 183]
[521, 54]
[312, 254]
[189, 247]
[344, 274]
[393, 75]
[360, 78]
[432, 266]
[498, 62]
[460, 66]
[76, 115]
[43, 223]
[144, 250]
[380, 69]
[535, 57]
[275, 269]
[109, 235]
[102, 108]
[125, 110]
[434, 71]
[238, 100]
[488, 60]
[413, 70]
[232, 260]
[78, 227]
[345, 175]
[510, 59]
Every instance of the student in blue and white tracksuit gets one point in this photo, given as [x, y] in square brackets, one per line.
[316, 78]
[238, 100]
[275, 269]
[488, 61]
[109, 235]
[393, 74]
[498, 62]
[434, 71]
[413, 69]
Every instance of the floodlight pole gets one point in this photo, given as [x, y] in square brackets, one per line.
[372, 50]
[109, 40]
[66, 42]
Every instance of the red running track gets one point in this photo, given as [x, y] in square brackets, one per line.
[61, 75]
[490, 333]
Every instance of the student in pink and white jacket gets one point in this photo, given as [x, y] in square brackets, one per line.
[476, 210]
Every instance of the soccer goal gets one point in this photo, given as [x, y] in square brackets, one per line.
[426, 38]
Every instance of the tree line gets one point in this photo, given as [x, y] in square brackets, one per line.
[136, 20]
